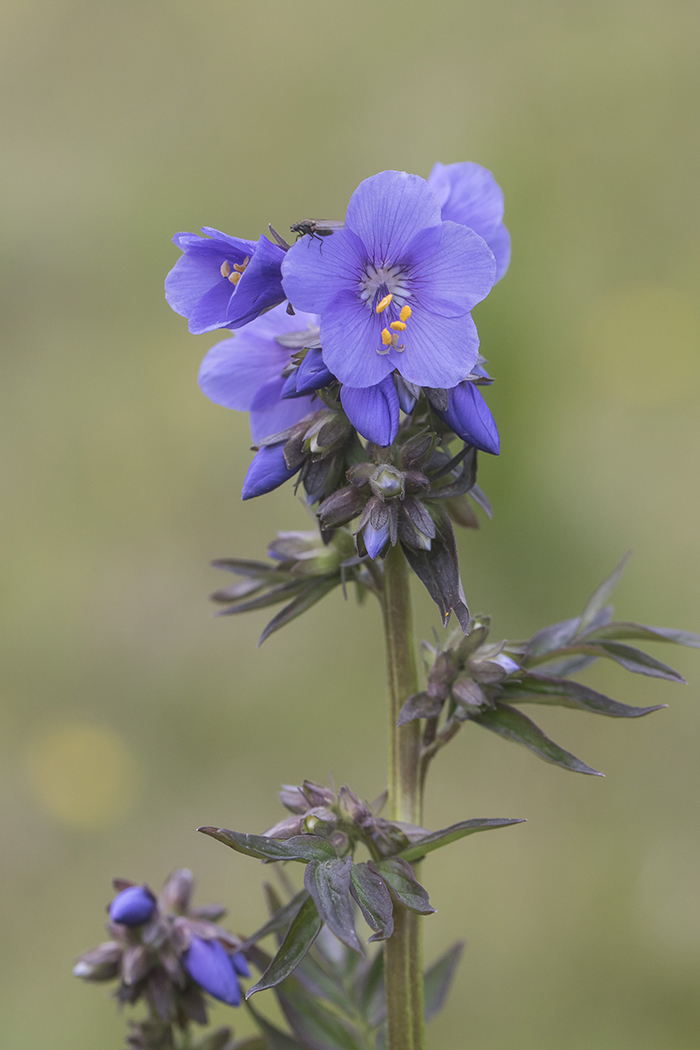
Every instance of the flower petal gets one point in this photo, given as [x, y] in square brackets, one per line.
[267, 472]
[209, 964]
[133, 906]
[233, 370]
[314, 272]
[470, 418]
[211, 310]
[373, 410]
[499, 243]
[260, 286]
[312, 373]
[388, 210]
[459, 275]
[200, 267]
[269, 414]
[375, 539]
[351, 337]
[439, 351]
[468, 194]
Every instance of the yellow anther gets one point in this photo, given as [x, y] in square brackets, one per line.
[381, 306]
[235, 278]
[398, 326]
[386, 337]
[405, 313]
[225, 268]
[240, 267]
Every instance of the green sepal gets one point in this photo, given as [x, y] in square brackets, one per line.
[403, 885]
[438, 978]
[300, 936]
[515, 726]
[547, 689]
[456, 831]
[301, 847]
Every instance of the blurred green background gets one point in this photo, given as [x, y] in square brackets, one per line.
[128, 716]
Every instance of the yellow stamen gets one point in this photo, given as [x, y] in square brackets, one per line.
[240, 267]
[235, 278]
[225, 268]
[405, 313]
[398, 326]
[381, 306]
[386, 337]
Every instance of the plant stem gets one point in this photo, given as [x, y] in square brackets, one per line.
[403, 960]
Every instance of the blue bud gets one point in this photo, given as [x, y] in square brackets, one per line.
[132, 907]
[312, 373]
[470, 418]
[210, 965]
[268, 471]
[240, 964]
[375, 539]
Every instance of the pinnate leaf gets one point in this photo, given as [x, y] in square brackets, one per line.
[314, 1025]
[317, 590]
[280, 920]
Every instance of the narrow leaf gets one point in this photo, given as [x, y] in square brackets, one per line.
[419, 705]
[631, 659]
[312, 1022]
[301, 603]
[271, 597]
[328, 882]
[438, 571]
[274, 1038]
[438, 978]
[601, 597]
[300, 847]
[456, 831]
[279, 921]
[300, 936]
[547, 689]
[513, 725]
[551, 638]
[641, 632]
[243, 567]
[374, 899]
[399, 877]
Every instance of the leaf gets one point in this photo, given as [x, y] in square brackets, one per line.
[600, 599]
[438, 571]
[328, 882]
[482, 499]
[243, 567]
[641, 632]
[561, 634]
[419, 705]
[456, 831]
[438, 978]
[300, 847]
[300, 936]
[321, 982]
[513, 725]
[312, 1022]
[274, 1039]
[631, 659]
[301, 603]
[271, 597]
[571, 665]
[279, 921]
[399, 877]
[374, 899]
[250, 1042]
[547, 689]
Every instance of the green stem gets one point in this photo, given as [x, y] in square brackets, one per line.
[403, 961]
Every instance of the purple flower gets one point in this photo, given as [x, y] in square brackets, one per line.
[470, 195]
[373, 410]
[470, 418]
[395, 287]
[244, 372]
[210, 965]
[222, 281]
[133, 906]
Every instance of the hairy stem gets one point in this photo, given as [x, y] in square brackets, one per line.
[403, 962]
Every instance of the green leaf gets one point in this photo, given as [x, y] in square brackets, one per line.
[641, 632]
[399, 877]
[250, 1042]
[438, 978]
[280, 920]
[631, 659]
[513, 725]
[312, 1022]
[242, 567]
[273, 1038]
[456, 831]
[300, 936]
[550, 639]
[600, 599]
[271, 597]
[300, 847]
[547, 689]
[301, 603]
[328, 882]
[374, 899]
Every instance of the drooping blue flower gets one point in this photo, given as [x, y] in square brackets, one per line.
[268, 471]
[222, 281]
[394, 289]
[133, 906]
[210, 965]
[244, 372]
[469, 194]
[373, 410]
[375, 539]
[471, 419]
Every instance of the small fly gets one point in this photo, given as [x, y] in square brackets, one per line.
[316, 228]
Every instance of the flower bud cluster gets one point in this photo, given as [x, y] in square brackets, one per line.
[168, 953]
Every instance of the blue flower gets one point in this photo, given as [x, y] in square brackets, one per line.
[470, 418]
[470, 195]
[268, 471]
[222, 281]
[394, 287]
[210, 965]
[373, 410]
[375, 539]
[133, 906]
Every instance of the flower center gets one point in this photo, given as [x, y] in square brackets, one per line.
[385, 290]
[238, 269]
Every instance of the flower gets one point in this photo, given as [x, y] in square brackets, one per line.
[222, 281]
[394, 287]
[268, 471]
[133, 906]
[210, 965]
[470, 195]
[470, 418]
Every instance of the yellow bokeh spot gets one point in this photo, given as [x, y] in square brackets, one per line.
[84, 775]
[643, 345]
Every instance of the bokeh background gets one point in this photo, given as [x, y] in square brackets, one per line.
[128, 715]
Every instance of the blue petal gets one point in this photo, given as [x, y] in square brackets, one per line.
[499, 243]
[240, 964]
[260, 286]
[373, 410]
[211, 310]
[290, 386]
[407, 399]
[132, 907]
[468, 194]
[199, 269]
[313, 373]
[209, 964]
[439, 351]
[233, 370]
[455, 278]
[470, 418]
[314, 273]
[269, 414]
[267, 472]
[388, 210]
[375, 539]
[351, 338]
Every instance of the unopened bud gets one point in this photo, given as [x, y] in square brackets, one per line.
[467, 692]
[352, 807]
[317, 794]
[99, 964]
[387, 482]
[341, 507]
[293, 798]
[441, 675]
[492, 669]
[177, 891]
[136, 963]
[133, 906]
[320, 820]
